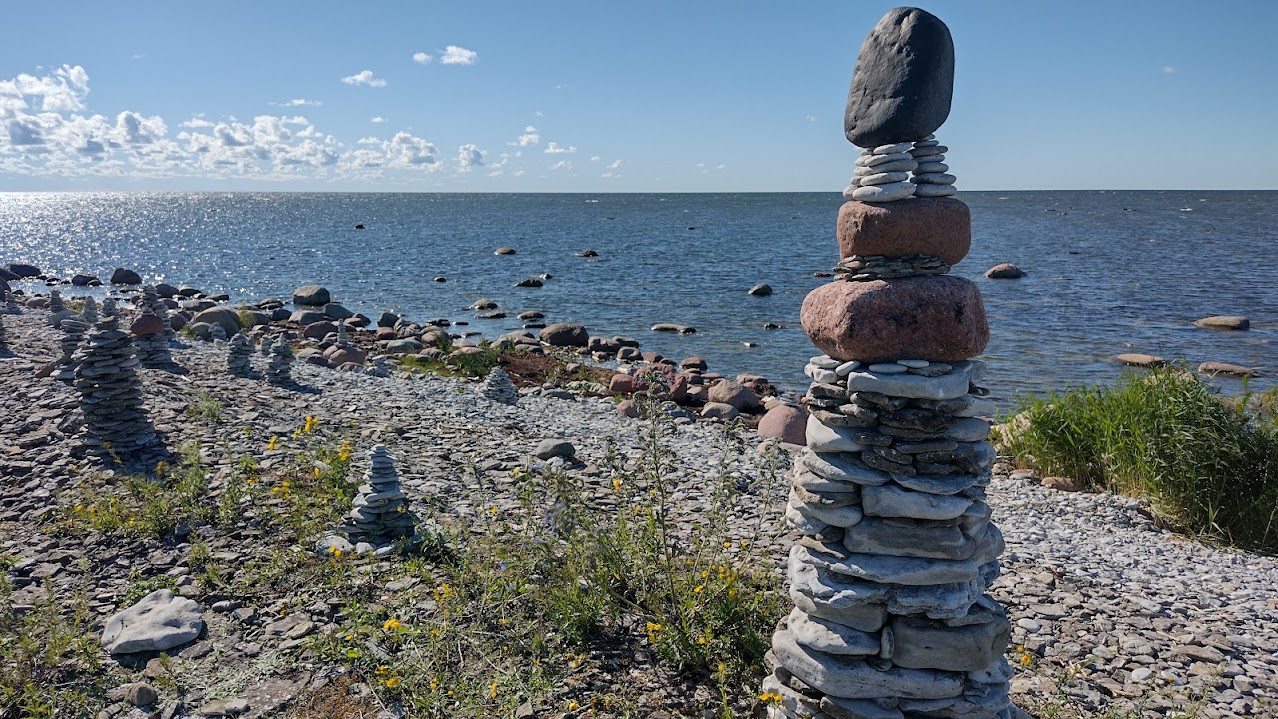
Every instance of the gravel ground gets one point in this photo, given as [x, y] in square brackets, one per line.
[1110, 612]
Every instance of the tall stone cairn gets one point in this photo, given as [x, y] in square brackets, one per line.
[55, 302]
[266, 344]
[152, 345]
[151, 300]
[90, 312]
[73, 331]
[896, 549]
[238, 353]
[498, 388]
[11, 304]
[380, 514]
[111, 392]
[279, 366]
[343, 339]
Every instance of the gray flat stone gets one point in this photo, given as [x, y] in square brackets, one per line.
[912, 386]
[842, 468]
[824, 438]
[158, 622]
[891, 500]
[855, 679]
[900, 537]
[826, 636]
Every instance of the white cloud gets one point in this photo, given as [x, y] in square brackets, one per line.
[610, 175]
[615, 164]
[810, 118]
[421, 57]
[378, 120]
[368, 141]
[295, 120]
[197, 121]
[298, 102]
[562, 165]
[469, 156]
[530, 138]
[554, 149]
[454, 55]
[364, 77]
[1169, 69]
[519, 173]
[408, 151]
[595, 158]
[720, 167]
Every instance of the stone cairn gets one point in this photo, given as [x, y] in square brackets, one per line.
[343, 339]
[108, 307]
[380, 514]
[11, 304]
[55, 302]
[152, 344]
[239, 352]
[111, 392]
[265, 347]
[280, 364]
[218, 333]
[90, 312]
[152, 301]
[381, 366]
[498, 388]
[896, 549]
[4, 339]
[72, 336]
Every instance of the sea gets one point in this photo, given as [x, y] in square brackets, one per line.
[1106, 272]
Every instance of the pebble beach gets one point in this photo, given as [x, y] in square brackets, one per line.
[1112, 615]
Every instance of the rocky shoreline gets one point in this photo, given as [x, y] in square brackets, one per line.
[1109, 611]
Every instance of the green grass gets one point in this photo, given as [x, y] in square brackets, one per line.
[1208, 464]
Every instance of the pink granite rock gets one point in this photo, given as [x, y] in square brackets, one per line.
[789, 424]
[936, 226]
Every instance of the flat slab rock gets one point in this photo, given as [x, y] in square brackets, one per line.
[158, 622]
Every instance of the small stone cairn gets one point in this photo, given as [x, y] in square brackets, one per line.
[90, 312]
[381, 366]
[111, 392]
[73, 331]
[380, 514]
[152, 345]
[239, 352]
[108, 307]
[218, 334]
[280, 364]
[498, 388]
[265, 346]
[4, 339]
[11, 304]
[343, 339]
[151, 300]
[896, 549]
[56, 304]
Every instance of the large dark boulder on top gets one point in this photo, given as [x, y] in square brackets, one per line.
[121, 276]
[904, 80]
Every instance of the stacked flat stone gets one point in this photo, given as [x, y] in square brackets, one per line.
[152, 345]
[111, 392]
[932, 174]
[280, 364]
[498, 388]
[108, 307]
[380, 514]
[267, 342]
[239, 352]
[151, 300]
[218, 333]
[896, 550]
[883, 174]
[11, 304]
[72, 336]
[55, 302]
[90, 312]
[343, 339]
[381, 366]
[4, 338]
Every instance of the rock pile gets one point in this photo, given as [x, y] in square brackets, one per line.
[239, 352]
[152, 344]
[11, 304]
[380, 514]
[108, 307]
[266, 344]
[90, 312]
[217, 333]
[498, 388]
[280, 365]
[151, 300]
[381, 366]
[896, 549]
[73, 334]
[111, 392]
[56, 304]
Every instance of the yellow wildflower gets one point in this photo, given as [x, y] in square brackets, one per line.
[492, 691]
[434, 682]
[390, 682]
[382, 670]
[270, 446]
[697, 589]
[391, 625]
[616, 485]
[703, 640]
[573, 705]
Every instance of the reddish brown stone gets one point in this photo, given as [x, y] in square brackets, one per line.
[147, 325]
[936, 226]
[789, 424]
[939, 319]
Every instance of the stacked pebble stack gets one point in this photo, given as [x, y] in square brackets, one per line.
[265, 348]
[238, 353]
[153, 346]
[73, 334]
[932, 174]
[218, 333]
[883, 174]
[11, 304]
[498, 388]
[280, 365]
[90, 313]
[343, 339]
[56, 304]
[896, 549]
[380, 514]
[151, 299]
[381, 366]
[108, 307]
[111, 392]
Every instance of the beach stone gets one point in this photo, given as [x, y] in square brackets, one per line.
[855, 679]
[147, 324]
[902, 537]
[121, 276]
[890, 192]
[937, 227]
[786, 423]
[311, 296]
[733, 393]
[882, 178]
[1234, 370]
[826, 636]
[903, 82]
[1137, 359]
[842, 467]
[939, 319]
[504, 251]
[719, 410]
[887, 368]
[1005, 271]
[839, 708]
[21, 271]
[933, 178]
[565, 335]
[924, 644]
[224, 316]
[158, 622]
[947, 386]
[890, 500]
[1224, 322]
[822, 437]
[554, 447]
[910, 571]
[871, 160]
[761, 290]
[882, 167]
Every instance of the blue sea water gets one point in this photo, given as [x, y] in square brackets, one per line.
[1108, 272]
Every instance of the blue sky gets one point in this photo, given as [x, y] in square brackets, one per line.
[618, 97]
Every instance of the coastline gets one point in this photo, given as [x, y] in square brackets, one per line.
[1081, 570]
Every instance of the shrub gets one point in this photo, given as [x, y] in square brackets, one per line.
[1210, 466]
